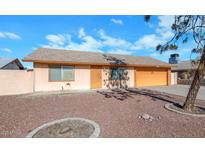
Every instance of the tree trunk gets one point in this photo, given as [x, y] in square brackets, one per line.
[195, 86]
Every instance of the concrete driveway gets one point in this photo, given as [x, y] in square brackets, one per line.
[180, 90]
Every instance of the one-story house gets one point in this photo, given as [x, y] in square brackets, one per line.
[10, 64]
[182, 72]
[184, 69]
[56, 69]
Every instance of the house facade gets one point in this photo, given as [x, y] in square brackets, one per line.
[56, 69]
[183, 71]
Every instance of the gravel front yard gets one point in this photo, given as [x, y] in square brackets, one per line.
[119, 113]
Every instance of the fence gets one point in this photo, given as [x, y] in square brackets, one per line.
[16, 82]
[188, 82]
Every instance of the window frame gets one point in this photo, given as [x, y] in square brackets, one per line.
[61, 66]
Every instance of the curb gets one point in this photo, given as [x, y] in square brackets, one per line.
[167, 106]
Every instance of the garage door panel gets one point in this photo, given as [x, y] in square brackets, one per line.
[150, 77]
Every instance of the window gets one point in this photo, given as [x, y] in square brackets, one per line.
[118, 73]
[61, 73]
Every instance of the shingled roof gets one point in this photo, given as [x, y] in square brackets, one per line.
[184, 65]
[5, 61]
[97, 58]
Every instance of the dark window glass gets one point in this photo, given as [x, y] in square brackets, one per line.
[117, 73]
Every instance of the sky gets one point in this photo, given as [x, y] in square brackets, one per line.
[21, 35]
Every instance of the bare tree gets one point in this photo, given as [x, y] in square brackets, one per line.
[185, 28]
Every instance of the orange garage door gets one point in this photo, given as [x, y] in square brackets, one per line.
[150, 77]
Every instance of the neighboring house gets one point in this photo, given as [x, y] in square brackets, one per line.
[56, 69]
[183, 71]
[10, 64]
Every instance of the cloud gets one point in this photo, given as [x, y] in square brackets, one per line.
[102, 42]
[183, 52]
[88, 43]
[9, 35]
[164, 33]
[147, 42]
[120, 51]
[81, 33]
[58, 40]
[150, 25]
[6, 50]
[64, 41]
[163, 56]
[166, 21]
[113, 42]
[116, 21]
[164, 26]
[161, 35]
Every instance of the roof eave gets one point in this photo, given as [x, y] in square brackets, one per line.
[87, 63]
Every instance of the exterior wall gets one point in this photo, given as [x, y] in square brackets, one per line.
[14, 82]
[131, 74]
[105, 78]
[173, 78]
[82, 78]
[21, 81]
[42, 83]
[169, 80]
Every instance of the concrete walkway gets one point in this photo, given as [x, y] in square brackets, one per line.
[180, 90]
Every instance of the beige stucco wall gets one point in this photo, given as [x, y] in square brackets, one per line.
[22, 81]
[14, 82]
[173, 78]
[131, 74]
[42, 83]
[82, 78]
[105, 75]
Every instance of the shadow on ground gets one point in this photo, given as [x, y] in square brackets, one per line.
[123, 94]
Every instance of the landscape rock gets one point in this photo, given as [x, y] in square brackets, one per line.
[159, 118]
[146, 117]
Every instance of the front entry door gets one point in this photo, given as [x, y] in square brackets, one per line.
[96, 77]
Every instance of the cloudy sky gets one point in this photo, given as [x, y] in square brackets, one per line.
[20, 35]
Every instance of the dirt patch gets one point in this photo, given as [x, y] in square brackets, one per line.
[117, 113]
[71, 128]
